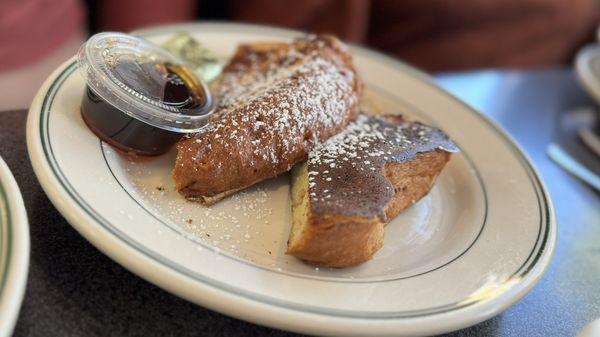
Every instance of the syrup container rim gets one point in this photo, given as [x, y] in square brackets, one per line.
[92, 65]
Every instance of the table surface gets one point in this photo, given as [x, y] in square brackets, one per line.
[74, 290]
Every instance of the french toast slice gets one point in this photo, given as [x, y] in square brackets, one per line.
[275, 101]
[356, 182]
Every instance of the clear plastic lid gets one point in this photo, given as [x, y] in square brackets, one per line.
[146, 82]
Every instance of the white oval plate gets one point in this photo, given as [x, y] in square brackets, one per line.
[14, 250]
[474, 246]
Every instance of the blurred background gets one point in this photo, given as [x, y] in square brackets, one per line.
[435, 35]
[510, 59]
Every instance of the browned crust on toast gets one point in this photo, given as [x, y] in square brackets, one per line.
[332, 239]
[335, 240]
[264, 131]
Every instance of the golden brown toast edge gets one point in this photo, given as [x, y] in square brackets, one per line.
[335, 240]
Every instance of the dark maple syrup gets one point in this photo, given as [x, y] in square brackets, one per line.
[173, 88]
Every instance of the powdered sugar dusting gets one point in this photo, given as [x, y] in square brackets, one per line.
[347, 169]
[275, 106]
[277, 102]
[224, 230]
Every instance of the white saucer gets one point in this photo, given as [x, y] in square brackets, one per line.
[14, 250]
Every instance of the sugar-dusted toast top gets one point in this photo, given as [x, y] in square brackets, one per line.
[275, 102]
[346, 174]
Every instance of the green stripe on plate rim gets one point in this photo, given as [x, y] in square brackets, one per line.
[5, 238]
[522, 271]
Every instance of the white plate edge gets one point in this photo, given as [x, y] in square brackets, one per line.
[18, 265]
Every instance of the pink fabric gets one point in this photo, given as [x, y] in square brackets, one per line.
[30, 29]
